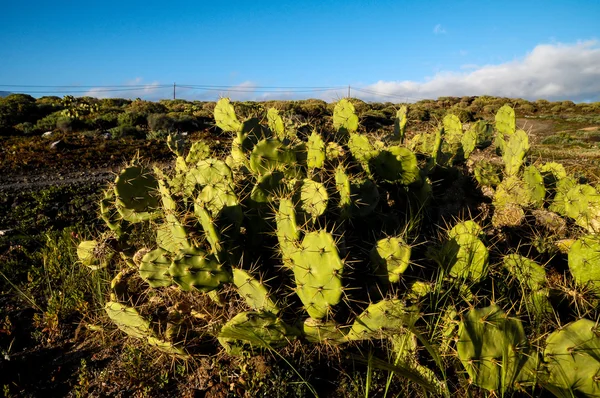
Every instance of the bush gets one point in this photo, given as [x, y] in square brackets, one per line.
[132, 119]
[126, 131]
[47, 123]
[160, 122]
[64, 124]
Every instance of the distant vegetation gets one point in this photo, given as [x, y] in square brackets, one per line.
[22, 114]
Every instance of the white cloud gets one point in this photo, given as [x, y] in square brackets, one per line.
[439, 30]
[148, 91]
[549, 71]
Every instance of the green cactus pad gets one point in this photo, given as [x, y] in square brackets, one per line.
[225, 116]
[584, 258]
[572, 360]
[199, 150]
[534, 182]
[176, 144]
[400, 123]
[471, 259]
[563, 186]
[217, 197]
[343, 188]
[493, 349]
[193, 269]
[382, 319]
[582, 203]
[109, 213]
[253, 292]
[313, 198]
[391, 257]
[552, 173]
[210, 230]
[529, 273]
[333, 151]
[318, 273]
[270, 155]
[154, 268]
[287, 232]
[94, 255]
[268, 187]
[487, 174]
[453, 131]
[254, 329]
[469, 142]
[396, 164]
[328, 332]
[136, 194]
[361, 149]
[315, 148]
[515, 152]
[208, 172]
[469, 227]
[171, 236]
[129, 320]
[344, 116]
[276, 123]
[505, 121]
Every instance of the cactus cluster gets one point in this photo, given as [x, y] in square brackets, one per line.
[332, 220]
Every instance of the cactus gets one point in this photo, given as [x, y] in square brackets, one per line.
[93, 254]
[584, 255]
[505, 121]
[315, 148]
[328, 332]
[469, 142]
[534, 183]
[453, 131]
[383, 319]
[276, 123]
[465, 255]
[487, 174]
[176, 144]
[514, 152]
[365, 197]
[571, 357]
[510, 197]
[287, 231]
[270, 155]
[391, 257]
[344, 117]
[582, 203]
[313, 198]
[333, 151]
[193, 269]
[257, 329]
[154, 268]
[494, 350]
[529, 273]
[135, 194]
[396, 164]
[268, 187]
[109, 213]
[361, 149]
[199, 150]
[484, 133]
[253, 291]
[225, 116]
[129, 320]
[400, 123]
[318, 273]
[562, 188]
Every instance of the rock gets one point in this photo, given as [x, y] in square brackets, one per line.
[57, 145]
[47, 134]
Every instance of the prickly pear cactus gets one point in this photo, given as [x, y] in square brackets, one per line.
[93, 254]
[515, 151]
[494, 350]
[318, 273]
[382, 319]
[154, 268]
[584, 260]
[225, 116]
[391, 257]
[276, 123]
[327, 332]
[193, 269]
[255, 330]
[571, 357]
[136, 197]
[464, 253]
[253, 291]
[344, 117]
[400, 123]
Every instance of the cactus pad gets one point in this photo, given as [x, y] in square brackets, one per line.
[254, 329]
[225, 116]
[318, 273]
[344, 117]
[391, 256]
[154, 268]
[194, 269]
[253, 291]
[315, 151]
[328, 332]
[584, 257]
[572, 360]
[136, 194]
[383, 319]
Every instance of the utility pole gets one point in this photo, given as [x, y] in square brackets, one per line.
[348, 91]
[173, 90]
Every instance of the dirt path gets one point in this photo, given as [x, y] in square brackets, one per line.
[38, 181]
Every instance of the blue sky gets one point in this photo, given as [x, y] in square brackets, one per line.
[416, 49]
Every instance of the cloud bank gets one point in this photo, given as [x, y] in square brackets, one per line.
[549, 71]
